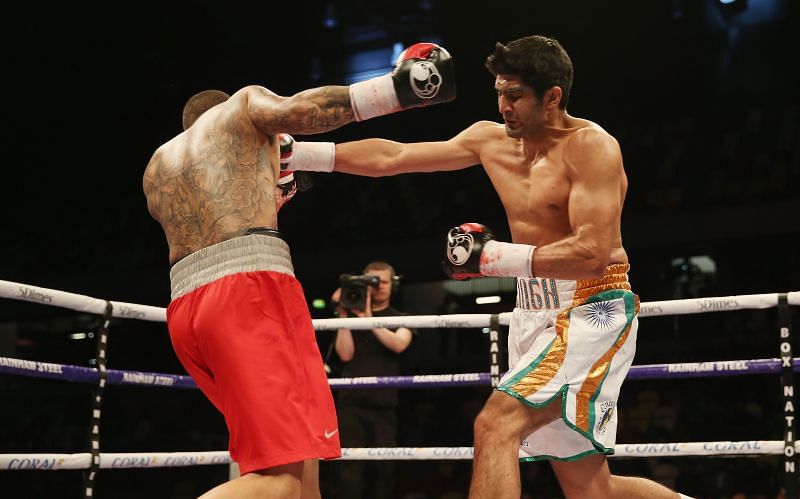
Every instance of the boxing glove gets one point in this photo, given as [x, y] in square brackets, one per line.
[423, 75]
[471, 251]
[463, 250]
[285, 189]
[286, 143]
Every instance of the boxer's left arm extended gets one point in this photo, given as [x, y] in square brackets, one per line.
[380, 157]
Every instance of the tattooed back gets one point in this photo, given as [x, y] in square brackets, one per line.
[213, 181]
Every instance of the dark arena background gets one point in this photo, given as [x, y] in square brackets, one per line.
[702, 95]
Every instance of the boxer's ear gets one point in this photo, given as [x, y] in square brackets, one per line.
[552, 97]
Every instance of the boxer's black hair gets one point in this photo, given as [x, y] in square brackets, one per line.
[541, 62]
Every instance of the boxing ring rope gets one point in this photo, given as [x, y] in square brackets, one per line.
[123, 310]
[117, 460]
[79, 374]
[95, 460]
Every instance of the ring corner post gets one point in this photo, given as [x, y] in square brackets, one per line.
[790, 471]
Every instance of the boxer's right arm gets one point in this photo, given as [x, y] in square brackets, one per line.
[312, 111]
[471, 251]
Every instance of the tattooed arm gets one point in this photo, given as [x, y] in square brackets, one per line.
[325, 108]
[311, 111]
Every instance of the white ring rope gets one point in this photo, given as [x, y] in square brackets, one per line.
[747, 448]
[413, 321]
[82, 303]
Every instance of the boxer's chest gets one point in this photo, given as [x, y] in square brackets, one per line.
[536, 190]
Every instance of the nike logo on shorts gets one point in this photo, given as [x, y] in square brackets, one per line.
[330, 434]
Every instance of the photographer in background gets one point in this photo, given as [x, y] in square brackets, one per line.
[368, 417]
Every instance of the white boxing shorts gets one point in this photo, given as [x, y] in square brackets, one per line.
[572, 340]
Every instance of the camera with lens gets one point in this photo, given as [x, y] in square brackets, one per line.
[354, 290]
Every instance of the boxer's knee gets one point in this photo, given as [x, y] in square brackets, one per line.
[279, 481]
[505, 417]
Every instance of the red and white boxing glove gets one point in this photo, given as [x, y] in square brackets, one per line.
[471, 251]
[306, 156]
[291, 181]
[423, 75]
[285, 189]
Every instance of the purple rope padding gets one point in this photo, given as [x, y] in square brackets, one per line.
[80, 374]
[709, 369]
[116, 377]
[419, 380]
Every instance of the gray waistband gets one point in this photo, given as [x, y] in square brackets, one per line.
[240, 254]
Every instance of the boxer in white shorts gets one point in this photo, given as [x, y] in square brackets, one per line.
[573, 341]
[562, 184]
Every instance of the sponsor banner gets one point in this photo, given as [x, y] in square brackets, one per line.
[80, 374]
[163, 459]
[141, 312]
[47, 462]
[177, 459]
[751, 447]
[36, 369]
[427, 380]
[407, 453]
[151, 379]
[82, 303]
[411, 321]
[111, 460]
[35, 294]
[707, 369]
[712, 304]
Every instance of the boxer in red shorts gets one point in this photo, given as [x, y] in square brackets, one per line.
[259, 364]
[238, 319]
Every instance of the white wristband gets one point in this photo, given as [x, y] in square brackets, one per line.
[312, 156]
[507, 259]
[374, 97]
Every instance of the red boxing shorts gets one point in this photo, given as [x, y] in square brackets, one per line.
[240, 326]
